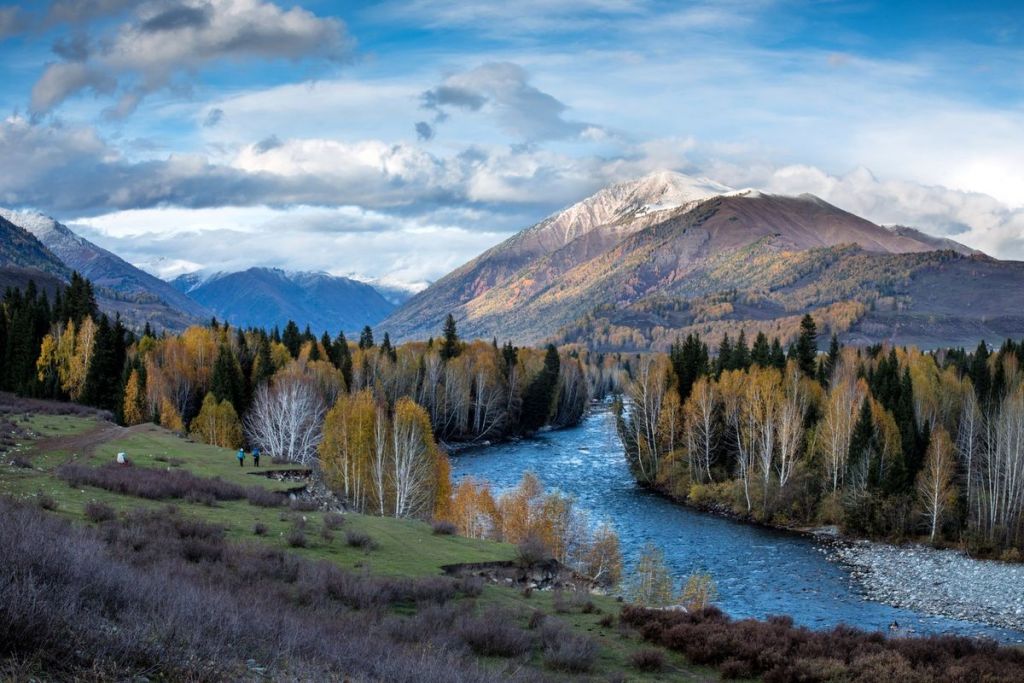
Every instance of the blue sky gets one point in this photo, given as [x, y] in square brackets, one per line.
[396, 140]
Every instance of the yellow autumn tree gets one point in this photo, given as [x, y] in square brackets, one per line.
[170, 418]
[134, 410]
[217, 424]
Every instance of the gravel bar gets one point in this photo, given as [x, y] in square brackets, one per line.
[945, 583]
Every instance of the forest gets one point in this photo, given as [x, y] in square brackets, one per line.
[370, 413]
[883, 442]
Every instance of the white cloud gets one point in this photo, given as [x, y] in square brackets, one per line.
[162, 41]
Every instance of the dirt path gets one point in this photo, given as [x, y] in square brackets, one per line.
[80, 444]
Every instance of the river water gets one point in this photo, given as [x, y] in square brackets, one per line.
[759, 571]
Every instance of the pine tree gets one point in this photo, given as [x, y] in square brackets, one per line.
[807, 346]
[102, 379]
[833, 357]
[509, 358]
[540, 394]
[226, 383]
[450, 346]
[263, 365]
[342, 359]
[741, 353]
[724, 355]
[366, 338]
[761, 353]
[979, 373]
[778, 355]
[689, 362]
[292, 339]
[862, 441]
[387, 349]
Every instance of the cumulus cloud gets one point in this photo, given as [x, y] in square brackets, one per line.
[166, 40]
[502, 90]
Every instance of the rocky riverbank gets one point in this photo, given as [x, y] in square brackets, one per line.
[942, 582]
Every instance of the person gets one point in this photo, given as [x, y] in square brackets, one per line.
[241, 457]
[256, 456]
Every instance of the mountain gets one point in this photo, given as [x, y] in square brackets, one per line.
[640, 263]
[24, 258]
[266, 297]
[120, 287]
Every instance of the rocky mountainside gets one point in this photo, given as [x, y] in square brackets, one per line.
[639, 263]
[121, 287]
[266, 297]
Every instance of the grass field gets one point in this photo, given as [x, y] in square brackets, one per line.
[402, 547]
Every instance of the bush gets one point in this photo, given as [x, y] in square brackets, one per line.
[153, 484]
[566, 651]
[607, 621]
[98, 512]
[296, 538]
[358, 539]
[46, 501]
[493, 634]
[326, 534]
[530, 551]
[21, 461]
[648, 660]
[302, 505]
[333, 520]
[263, 497]
[260, 529]
[443, 528]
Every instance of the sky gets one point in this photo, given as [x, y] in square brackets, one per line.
[396, 140]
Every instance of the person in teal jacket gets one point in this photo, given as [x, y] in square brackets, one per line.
[241, 457]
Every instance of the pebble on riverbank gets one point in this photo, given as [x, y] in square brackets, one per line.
[944, 583]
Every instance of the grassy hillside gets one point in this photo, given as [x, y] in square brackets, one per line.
[36, 446]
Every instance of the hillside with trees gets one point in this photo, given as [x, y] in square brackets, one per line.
[885, 442]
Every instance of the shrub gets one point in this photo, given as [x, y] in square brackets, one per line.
[21, 461]
[531, 550]
[470, 586]
[150, 483]
[567, 651]
[98, 512]
[296, 538]
[493, 634]
[263, 497]
[607, 621]
[358, 539]
[333, 520]
[302, 505]
[648, 660]
[326, 534]
[260, 529]
[46, 501]
[536, 619]
[443, 528]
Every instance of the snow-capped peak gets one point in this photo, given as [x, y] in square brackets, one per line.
[664, 190]
[36, 223]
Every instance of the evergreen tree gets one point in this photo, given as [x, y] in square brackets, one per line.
[910, 440]
[79, 300]
[778, 355]
[262, 365]
[342, 359]
[689, 361]
[509, 358]
[979, 373]
[366, 338]
[292, 339]
[741, 353]
[102, 379]
[724, 355]
[832, 360]
[761, 353]
[540, 394]
[450, 346]
[387, 349]
[862, 440]
[226, 383]
[807, 346]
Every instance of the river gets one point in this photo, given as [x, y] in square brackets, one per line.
[759, 571]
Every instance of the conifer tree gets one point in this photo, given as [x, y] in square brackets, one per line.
[342, 359]
[292, 339]
[862, 441]
[778, 355]
[979, 373]
[540, 394]
[724, 355]
[807, 346]
[387, 349]
[833, 357]
[366, 338]
[226, 383]
[761, 353]
[689, 362]
[450, 346]
[741, 353]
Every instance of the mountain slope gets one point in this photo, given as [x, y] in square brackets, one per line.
[121, 287]
[21, 249]
[627, 269]
[266, 297]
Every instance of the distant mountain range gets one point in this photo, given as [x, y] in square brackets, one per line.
[120, 287]
[640, 263]
[266, 297]
[36, 247]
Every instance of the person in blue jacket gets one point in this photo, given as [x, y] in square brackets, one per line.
[256, 456]
[241, 457]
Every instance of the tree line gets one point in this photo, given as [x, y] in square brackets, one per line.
[883, 441]
[367, 414]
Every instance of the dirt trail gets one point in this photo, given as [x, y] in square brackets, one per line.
[81, 444]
